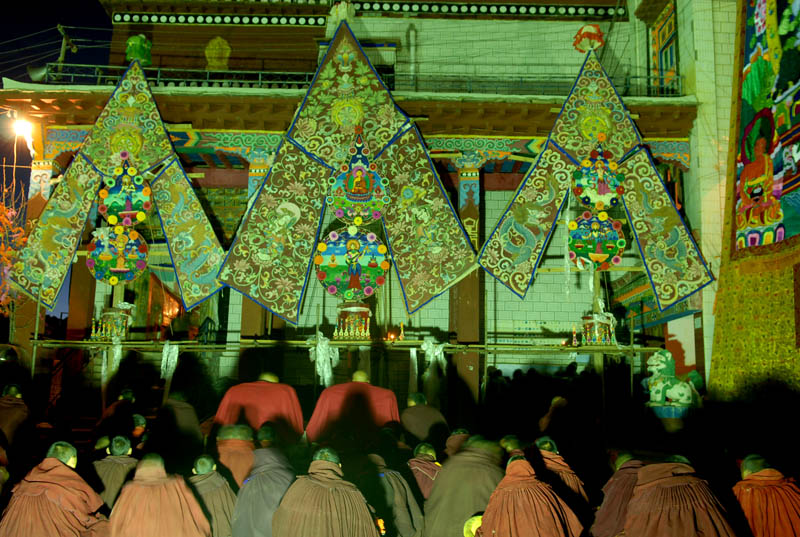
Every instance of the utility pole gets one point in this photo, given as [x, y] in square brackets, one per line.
[65, 42]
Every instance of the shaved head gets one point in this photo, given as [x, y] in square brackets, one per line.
[327, 454]
[425, 449]
[753, 463]
[12, 390]
[120, 445]
[204, 465]
[152, 459]
[235, 432]
[510, 443]
[269, 377]
[65, 452]
[360, 376]
[547, 444]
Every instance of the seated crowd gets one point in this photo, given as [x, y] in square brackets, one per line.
[357, 468]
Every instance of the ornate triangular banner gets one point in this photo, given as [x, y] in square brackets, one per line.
[193, 247]
[430, 249]
[594, 108]
[514, 249]
[673, 262]
[127, 145]
[382, 172]
[595, 148]
[271, 255]
[42, 265]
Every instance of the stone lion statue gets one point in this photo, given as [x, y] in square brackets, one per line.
[666, 389]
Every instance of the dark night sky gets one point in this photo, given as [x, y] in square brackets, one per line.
[31, 16]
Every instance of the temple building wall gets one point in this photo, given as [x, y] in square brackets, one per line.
[435, 47]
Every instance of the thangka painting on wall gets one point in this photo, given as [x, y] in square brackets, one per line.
[595, 153]
[120, 166]
[350, 150]
[767, 207]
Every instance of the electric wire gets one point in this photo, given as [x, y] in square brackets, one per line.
[28, 36]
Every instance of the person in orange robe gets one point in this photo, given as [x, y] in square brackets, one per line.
[670, 501]
[425, 468]
[556, 464]
[235, 447]
[114, 469]
[54, 501]
[215, 493]
[455, 441]
[610, 518]
[353, 410]
[523, 506]
[157, 505]
[262, 401]
[770, 501]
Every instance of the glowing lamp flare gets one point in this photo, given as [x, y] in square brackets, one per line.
[589, 37]
[24, 129]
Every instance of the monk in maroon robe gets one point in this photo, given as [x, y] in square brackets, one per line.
[556, 464]
[462, 488]
[13, 411]
[262, 401]
[114, 469]
[354, 409]
[216, 494]
[425, 468]
[54, 501]
[523, 506]
[235, 447]
[770, 501]
[455, 441]
[157, 505]
[610, 518]
[421, 420]
[262, 491]
[670, 501]
[323, 504]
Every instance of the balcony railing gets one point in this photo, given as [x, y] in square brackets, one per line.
[633, 86]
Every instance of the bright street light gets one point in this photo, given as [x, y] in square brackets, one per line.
[23, 128]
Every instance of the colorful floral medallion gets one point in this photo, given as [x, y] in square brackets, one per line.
[596, 239]
[116, 255]
[597, 184]
[125, 197]
[351, 264]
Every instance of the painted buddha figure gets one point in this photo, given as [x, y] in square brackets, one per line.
[759, 206]
[359, 184]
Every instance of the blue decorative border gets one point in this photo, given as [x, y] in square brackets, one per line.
[642, 148]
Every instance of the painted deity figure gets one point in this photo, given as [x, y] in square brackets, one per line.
[359, 183]
[759, 206]
[353, 257]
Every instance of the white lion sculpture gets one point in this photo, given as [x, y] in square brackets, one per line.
[666, 389]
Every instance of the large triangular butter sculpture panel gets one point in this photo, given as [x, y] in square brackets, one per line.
[593, 123]
[129, 128]
[348, 113]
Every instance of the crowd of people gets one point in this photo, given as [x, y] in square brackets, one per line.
[358, 467]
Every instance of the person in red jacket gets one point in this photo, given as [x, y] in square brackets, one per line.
[354, 409]
[262, 401]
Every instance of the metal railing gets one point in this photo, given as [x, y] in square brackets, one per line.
[633, 86]
[105, 75]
